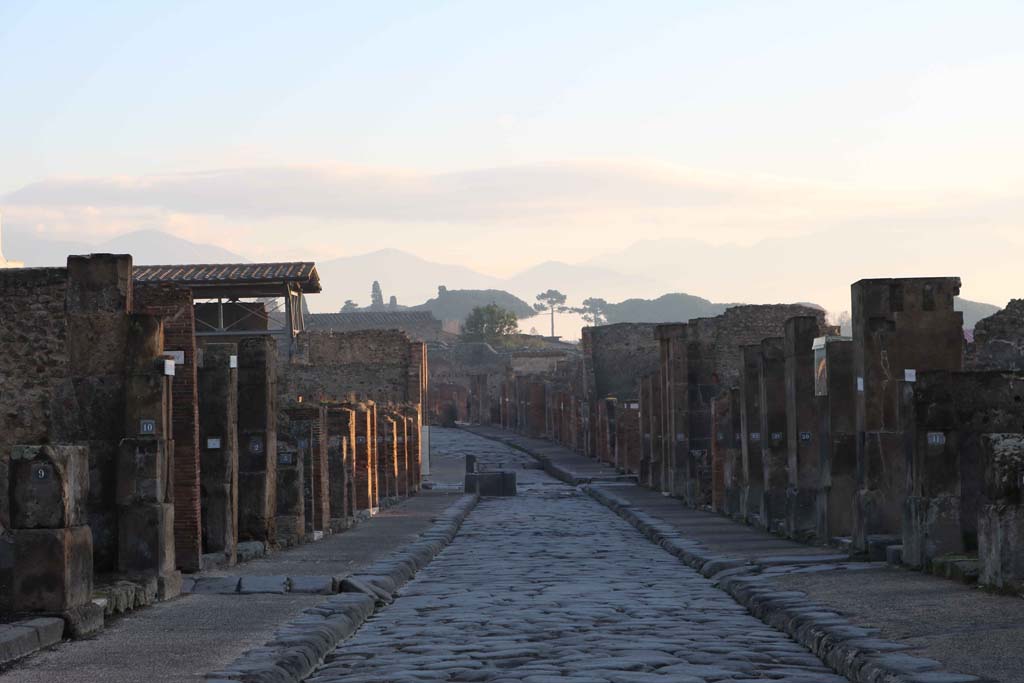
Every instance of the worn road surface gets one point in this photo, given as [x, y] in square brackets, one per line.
[551, 586]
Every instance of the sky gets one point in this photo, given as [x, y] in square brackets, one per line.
[501, 134]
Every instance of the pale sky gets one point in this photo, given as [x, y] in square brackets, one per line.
[501, 134]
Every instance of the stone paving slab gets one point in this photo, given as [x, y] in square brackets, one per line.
[180, 640]
[550, 587]
[964, 629]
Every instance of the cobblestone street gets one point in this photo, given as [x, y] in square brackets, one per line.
[552, 586]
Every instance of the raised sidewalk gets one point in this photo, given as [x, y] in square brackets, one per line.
[184, 639]
[865, 619]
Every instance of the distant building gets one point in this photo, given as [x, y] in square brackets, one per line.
[4, 263]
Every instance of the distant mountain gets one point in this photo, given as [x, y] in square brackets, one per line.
[456, 304]
[147, 247]
[974, 311]
[154, 247]
[579, 282]
[403, 275]
[677, 307]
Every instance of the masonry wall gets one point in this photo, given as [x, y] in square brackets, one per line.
[63, 344]
[371, 364]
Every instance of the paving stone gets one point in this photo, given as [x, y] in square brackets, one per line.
[552, 587]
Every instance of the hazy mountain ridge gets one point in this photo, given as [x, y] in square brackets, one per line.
[413, 279]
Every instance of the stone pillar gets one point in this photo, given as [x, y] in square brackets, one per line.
[801, 428]
[257, 438]
[415, 413]
[387, 457]
[727, 457]
[966, 427]
[900, 327]
[405, 424]
[752, 470]
[657, 414]
[363, 457]
[646, 438]
[316, 486]
[1001, 519]
[774, 458]
[145, 502]
[53, 570]
[340, 430]
[834, 391]
[703, 388]
[373, 444]
[218, 452]
[627, 437]
[294, 437]
[675, 408]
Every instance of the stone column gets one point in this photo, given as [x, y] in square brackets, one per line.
[373, 447]
[727, 459]
[752, 470]
[363, 480]
[295, 434]
[1001, 519]
[339, 430]
[145, 502]
[257, 438]
[801, 428]
[836, 434]
[53, 570]
[967, 429]
[405, 423]
[218, 452]
[900, 327]
[774, 457]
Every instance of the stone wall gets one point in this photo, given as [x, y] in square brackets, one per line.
[371, 364]
[999, 340]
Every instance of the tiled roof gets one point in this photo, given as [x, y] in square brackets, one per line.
[232, 273]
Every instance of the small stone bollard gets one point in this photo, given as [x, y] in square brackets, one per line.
[491, 483]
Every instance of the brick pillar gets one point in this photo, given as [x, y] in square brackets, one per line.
[218, 433]
[363, 479]
[403, 422]
[315, 472]
[176, 307]
[374, 454]
[257, 438]
[387, 462]
[338, 429]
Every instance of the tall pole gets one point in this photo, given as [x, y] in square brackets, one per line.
[552, 321]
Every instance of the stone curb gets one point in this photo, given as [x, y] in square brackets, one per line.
[851, 650]
[22, 638]
[299, 646]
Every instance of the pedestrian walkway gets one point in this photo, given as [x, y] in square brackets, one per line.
[181, 640]
[963, 628]
[551, 586]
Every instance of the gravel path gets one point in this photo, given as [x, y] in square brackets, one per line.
[551, 586]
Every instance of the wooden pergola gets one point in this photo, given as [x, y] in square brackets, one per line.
[284, 283]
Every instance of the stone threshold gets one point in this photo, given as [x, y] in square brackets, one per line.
[298, 647]
[19, 639]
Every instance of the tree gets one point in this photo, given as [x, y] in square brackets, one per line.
[349, 306]
[376, 296]
[551, 300]
[593, 311]
[489, 323]
[393, 302]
